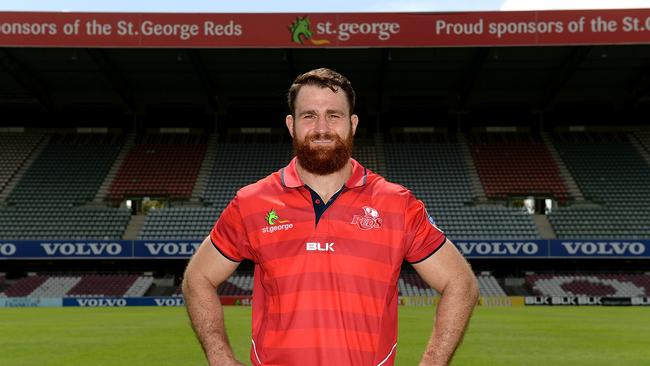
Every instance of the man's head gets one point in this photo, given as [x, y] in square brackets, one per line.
[323, 78]
[321, 122]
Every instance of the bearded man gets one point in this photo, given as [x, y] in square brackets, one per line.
[328, 262]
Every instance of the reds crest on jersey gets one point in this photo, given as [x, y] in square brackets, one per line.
[369, 220]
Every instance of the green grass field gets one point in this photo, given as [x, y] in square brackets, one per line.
[162, 336]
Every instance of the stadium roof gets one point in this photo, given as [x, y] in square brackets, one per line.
[245, 84]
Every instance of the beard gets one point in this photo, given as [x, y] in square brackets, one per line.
[323, 160]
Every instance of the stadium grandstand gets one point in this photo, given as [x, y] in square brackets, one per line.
[116, 161]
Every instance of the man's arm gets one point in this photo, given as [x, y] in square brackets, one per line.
[450, 274]
[207, 269]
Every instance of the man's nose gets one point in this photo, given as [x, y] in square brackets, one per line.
[321, 124]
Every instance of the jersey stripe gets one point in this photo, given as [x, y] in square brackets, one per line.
[313, 262]
[324, 338]
[325, 300]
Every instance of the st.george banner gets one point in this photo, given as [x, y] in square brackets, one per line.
[127, 249]
[287, 30]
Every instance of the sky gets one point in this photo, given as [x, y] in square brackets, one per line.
[329, 6]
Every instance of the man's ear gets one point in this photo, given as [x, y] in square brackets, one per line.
[289, 121]
[354, 119]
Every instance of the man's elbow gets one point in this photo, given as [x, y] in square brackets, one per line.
[192, 281]
[186, 286]
[472, 288]
[466, 286]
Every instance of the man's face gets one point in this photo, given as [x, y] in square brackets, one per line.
[322, 129]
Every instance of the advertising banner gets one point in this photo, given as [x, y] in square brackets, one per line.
[503, 249]
[165, 248]
[287, 30]
[184, 249]
[600, 248]
[65, 249]
[93, 302]
[28, 302]
[586, 301]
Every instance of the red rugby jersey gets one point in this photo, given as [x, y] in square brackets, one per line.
[325, 294]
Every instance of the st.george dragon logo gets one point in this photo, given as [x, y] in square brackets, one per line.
[275, 223]
[301, 32]
[369, 220]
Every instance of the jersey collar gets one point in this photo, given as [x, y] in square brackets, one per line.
[290, 178]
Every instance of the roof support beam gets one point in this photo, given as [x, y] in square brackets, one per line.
[638, 87]
[208, 85]
[114, 77]
[25, 78]
[562, 74]
[384, 59]
[472, 75]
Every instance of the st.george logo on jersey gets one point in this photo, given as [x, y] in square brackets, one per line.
[369, 220]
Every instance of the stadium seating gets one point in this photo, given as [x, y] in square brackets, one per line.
[50, 201]
[102, 285]
[615, 285]
[240, 164]
[55, 286]
[512, 164]
[612, 174]
[237, 285]
[140, 286]
[366, 154]
[438, 175]
[411, 284]
[643, 136]
[159, 169]
[178, 291]
[24, 286]
[43, 286]
[179, 223]
[16, 148]
[488, 286]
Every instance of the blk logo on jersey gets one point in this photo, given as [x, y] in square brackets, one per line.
[319, 247]
[369, 220]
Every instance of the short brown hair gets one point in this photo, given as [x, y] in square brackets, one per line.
[324, 78]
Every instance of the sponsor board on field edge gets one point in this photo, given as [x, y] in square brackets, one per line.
[586, 301]
[91, 302]
[122, 301]
[183, 249]
[172, 301]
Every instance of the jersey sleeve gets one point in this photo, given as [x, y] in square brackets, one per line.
[422, 236]
[229, 234]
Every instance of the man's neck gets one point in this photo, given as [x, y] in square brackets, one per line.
[325, 185]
